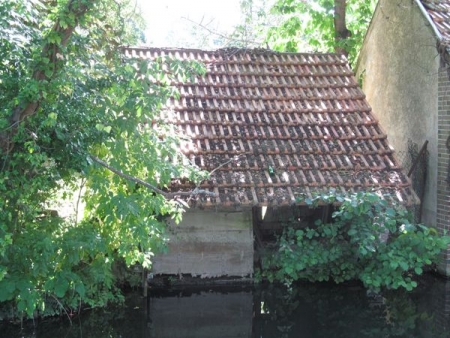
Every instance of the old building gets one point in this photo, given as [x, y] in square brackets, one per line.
[403, 68]
[271, 128]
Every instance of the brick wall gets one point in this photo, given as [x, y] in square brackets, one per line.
[443, 190]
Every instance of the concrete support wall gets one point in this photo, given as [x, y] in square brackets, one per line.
[398, 67]
[443, 191]
[209, 244]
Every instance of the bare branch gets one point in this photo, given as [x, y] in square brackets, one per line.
[137, 180]
[62, 307]
[126, 176]
[201, 25]
[77, 206]
[234, 158]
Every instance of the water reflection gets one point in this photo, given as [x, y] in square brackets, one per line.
[203, 314]
[319, 310]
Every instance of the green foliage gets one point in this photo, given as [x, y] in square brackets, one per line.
[303, 26]
[62, 60]
[368, 239]
[255, 23]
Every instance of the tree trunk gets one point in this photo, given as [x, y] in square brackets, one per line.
[340, 26]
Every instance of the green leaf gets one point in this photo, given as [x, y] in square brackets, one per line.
[390, 212]
[393, 264]
[80, 289]
[372, 198]
[352, 232]
[310, 233]
[7, 288]
[61, 288]
[404, 266]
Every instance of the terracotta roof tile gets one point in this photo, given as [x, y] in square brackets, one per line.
[439, 11]
[302, 115]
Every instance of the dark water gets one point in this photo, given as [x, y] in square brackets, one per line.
[318, 310]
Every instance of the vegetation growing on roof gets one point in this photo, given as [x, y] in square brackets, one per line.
[369, 239]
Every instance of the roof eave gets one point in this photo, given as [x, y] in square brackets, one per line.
[428, 18]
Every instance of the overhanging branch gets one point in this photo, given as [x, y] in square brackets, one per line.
[168, 195]
[214, 32]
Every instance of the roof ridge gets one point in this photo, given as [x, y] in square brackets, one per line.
[434, 4]
[226, 50]
[437, 12]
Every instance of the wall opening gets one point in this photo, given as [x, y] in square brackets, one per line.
[269, 223]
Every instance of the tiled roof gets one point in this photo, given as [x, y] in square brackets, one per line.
[439, 11]
[276, 126]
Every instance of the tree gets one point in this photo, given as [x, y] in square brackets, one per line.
[76, 113]
[319, 25]
[255, 22]
[341, 33]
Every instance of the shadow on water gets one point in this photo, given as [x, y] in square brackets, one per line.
[308, 310]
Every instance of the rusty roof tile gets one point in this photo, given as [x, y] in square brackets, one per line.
[302, 115]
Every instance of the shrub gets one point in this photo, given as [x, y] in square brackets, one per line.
[370, 238]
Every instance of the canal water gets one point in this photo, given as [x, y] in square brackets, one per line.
[308, 310]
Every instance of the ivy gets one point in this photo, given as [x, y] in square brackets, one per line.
[369, 238]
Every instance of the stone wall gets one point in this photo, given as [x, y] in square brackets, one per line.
[209, 244]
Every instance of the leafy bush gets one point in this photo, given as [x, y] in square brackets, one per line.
[369, 239]
[73, 107]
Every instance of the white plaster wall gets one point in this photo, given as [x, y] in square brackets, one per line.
[398, 66]
[209, 244]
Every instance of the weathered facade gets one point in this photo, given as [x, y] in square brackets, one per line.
[209, 244]
[403, 70]
[271, 128]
